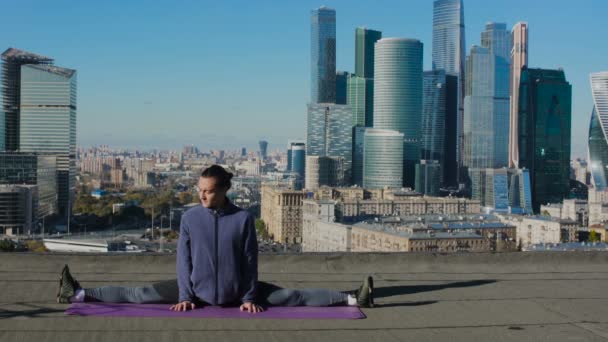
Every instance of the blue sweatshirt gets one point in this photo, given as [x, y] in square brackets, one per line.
[217, 256]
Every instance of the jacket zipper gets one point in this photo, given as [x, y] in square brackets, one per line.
[217, 257]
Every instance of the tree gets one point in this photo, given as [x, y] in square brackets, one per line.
[7, 245]
[260, 229]
[594, 237]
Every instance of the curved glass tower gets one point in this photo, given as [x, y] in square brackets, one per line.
[598, 142]
[398, 95]
[382, 158]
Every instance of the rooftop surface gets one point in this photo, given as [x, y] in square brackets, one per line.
[557, 296]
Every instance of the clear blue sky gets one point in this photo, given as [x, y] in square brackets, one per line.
[228, 73]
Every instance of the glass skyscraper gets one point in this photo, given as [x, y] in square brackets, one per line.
[361, 84]
[48, 122]
[598, 129]
[382, 158]
[449, 55]
[19, 168]
[323, 56]
[433, 118]
[545, 114]
[519, 59]
[12, 60]
[263, 149]
[341, 86]
[364, 51]
[358, 146]
[361, 99]
[329, 133]
[398, 95]
[486, 117]
[428, 177]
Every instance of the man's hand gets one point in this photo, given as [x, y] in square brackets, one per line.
[183, 306]
[251, 308]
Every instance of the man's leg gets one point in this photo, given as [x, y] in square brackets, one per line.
[277, 296]
[160, 292]
[121, 294]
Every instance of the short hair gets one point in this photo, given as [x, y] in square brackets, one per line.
[222, 177]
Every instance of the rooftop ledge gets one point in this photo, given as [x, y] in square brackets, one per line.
[460, 297]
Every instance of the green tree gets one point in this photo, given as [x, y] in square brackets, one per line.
[260, 229]
[7, 245]
[594, 237]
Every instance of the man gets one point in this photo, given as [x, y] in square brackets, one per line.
[217, 251]
[216, 264]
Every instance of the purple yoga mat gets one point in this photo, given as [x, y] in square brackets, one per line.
[162, 310]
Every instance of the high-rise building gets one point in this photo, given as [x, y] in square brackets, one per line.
[544, 124]
[361, 84]
[398, 95]
[323, 56]
[520, 193]
[364, 51]
[428, 177]
[31, 169]
[450, 156]
[12, 60]
[48, 122]
[519, 59]
[493, 189]
[329, 134]
[341, 86]
[361, 99]
[486, 105]
[263, 149]
[382, 158]
[244, 152]
[323, 171]
[598, 129]
[449, 55]
[358, 146]
[433, 118]
[298, 164]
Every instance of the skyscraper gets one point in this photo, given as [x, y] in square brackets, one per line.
[433, 118]
[428, 177]
[12, 60]
[519, 59]
[341, 86]
[364, 51]
[598, 129]
[361, 84]
[449, 55]
[486, 117]
[48, 122]
[263, 149]
[398, 95]
[298, 163]
[323, 56]
[358, 147]
[329, 134]
[520, 193]
[544, 125]
[382, 158]
[361, 99]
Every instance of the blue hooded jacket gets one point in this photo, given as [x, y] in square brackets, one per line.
[217, 256]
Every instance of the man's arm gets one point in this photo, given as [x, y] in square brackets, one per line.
[184, 264]
[250, 261]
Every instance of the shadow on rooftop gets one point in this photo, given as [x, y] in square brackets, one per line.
[389, 291]
[32, 311]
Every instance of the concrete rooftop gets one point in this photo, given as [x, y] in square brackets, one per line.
[557, 296]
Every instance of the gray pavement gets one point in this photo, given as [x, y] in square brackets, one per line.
[552, 296]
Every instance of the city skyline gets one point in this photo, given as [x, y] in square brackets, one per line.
[121, 92]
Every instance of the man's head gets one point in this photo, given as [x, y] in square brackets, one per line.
[213, 185]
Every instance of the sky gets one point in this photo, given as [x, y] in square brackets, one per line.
[226, 74]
